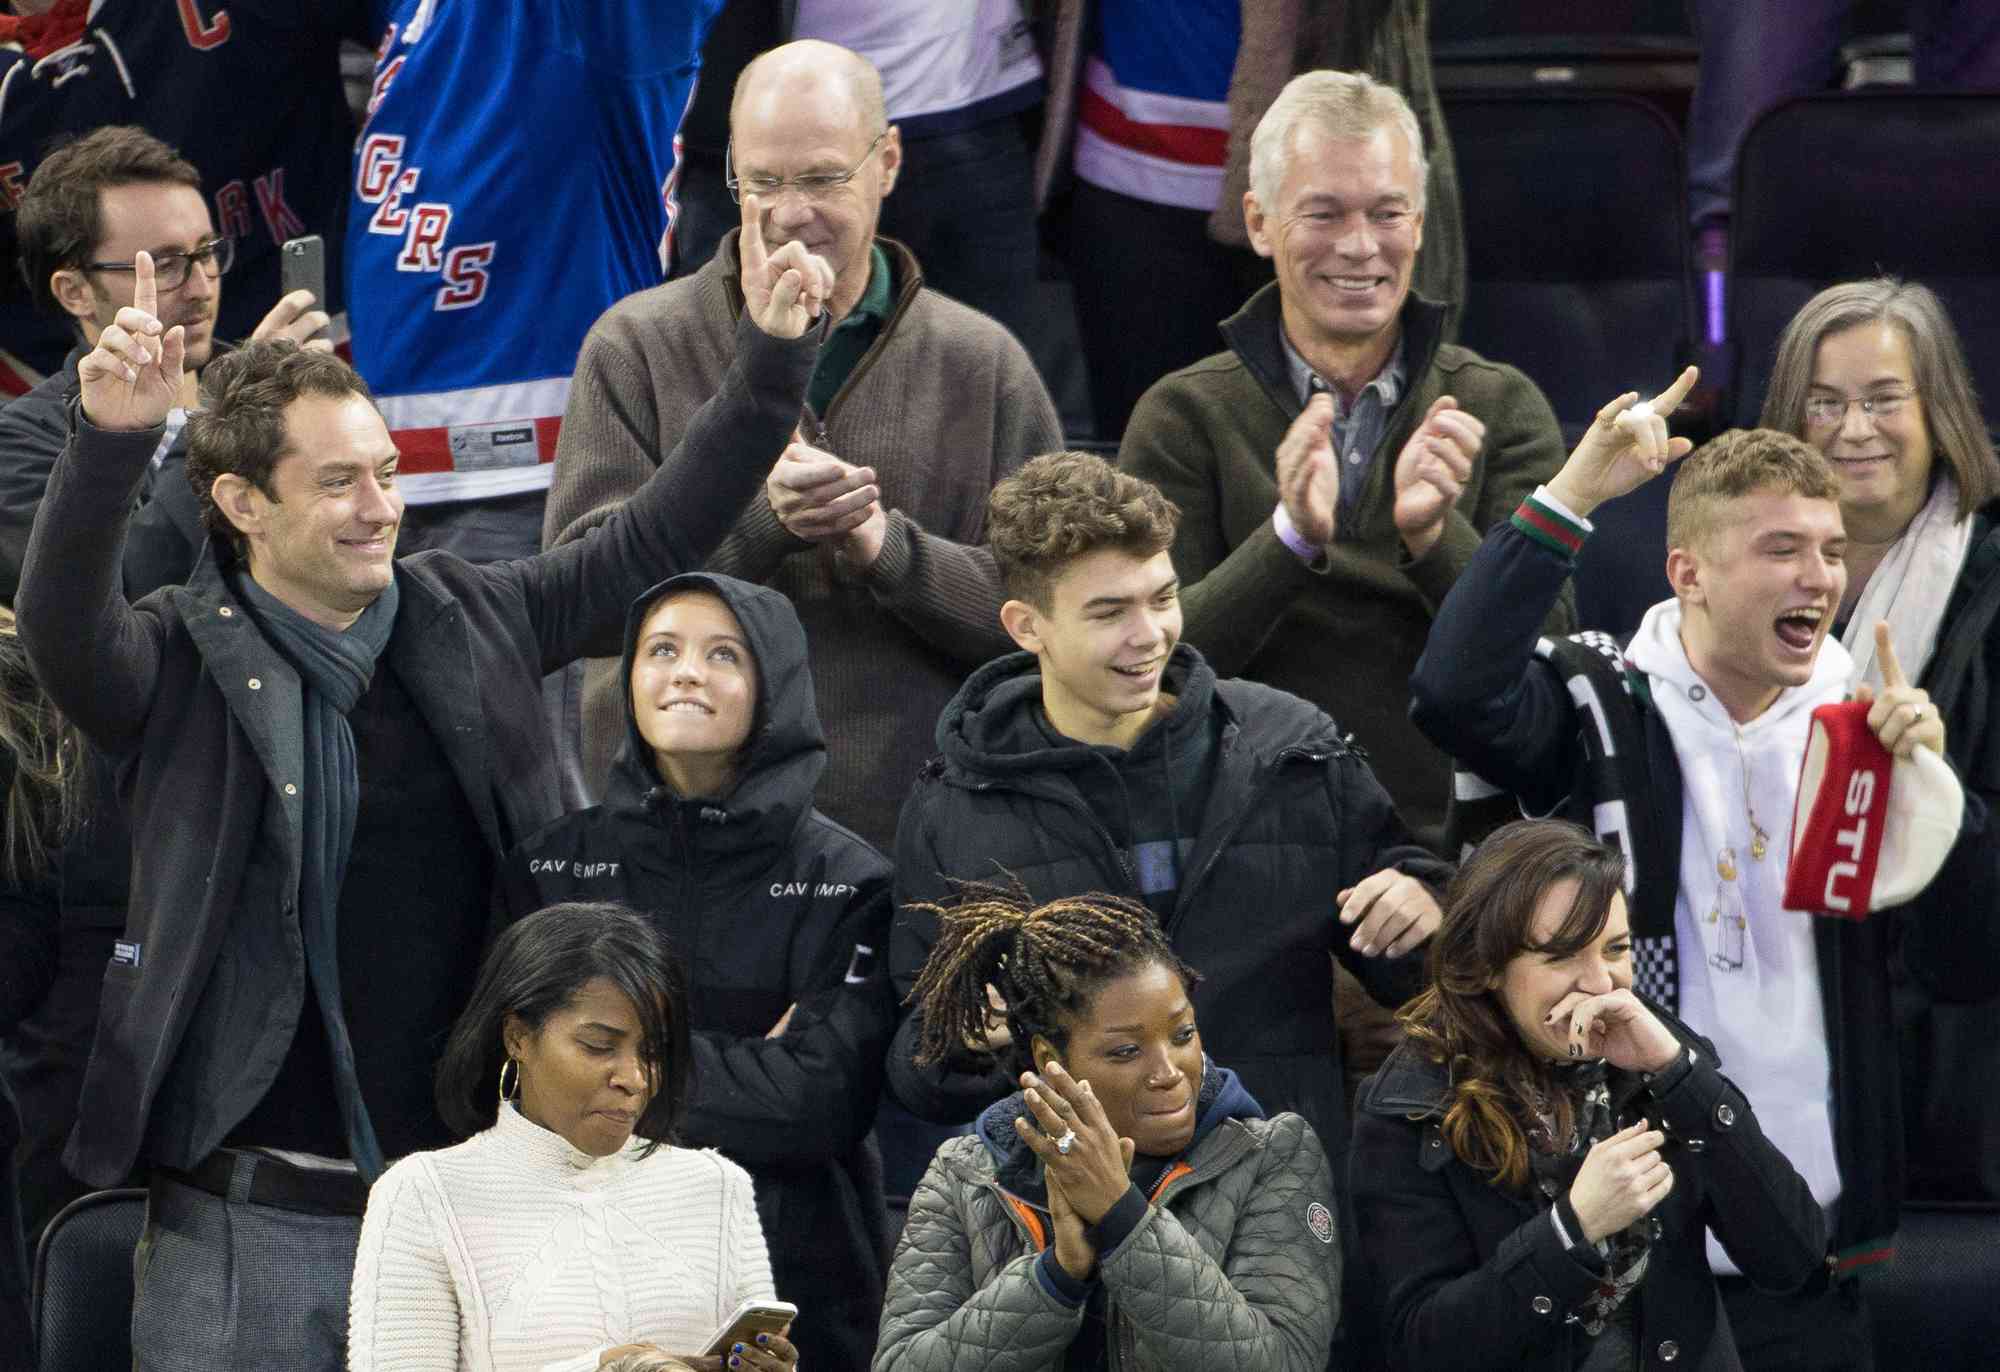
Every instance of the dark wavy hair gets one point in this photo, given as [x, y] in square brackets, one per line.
[1048, 962]
[240, 427]
[1459, 1021]
[44, 779]
[536, 968]
[1062, 506]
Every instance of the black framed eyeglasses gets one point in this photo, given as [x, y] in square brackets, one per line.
[813, 185]
[170, 269]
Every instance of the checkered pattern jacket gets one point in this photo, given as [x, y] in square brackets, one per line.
[1614, 796]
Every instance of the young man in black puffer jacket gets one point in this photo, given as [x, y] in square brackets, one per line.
[1108, 757]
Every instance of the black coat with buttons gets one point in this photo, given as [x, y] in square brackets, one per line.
[204, 718]
[1473, 1276]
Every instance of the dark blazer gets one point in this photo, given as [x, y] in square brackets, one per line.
[1475, 1276]
[1954, 1133]
[201, 1003]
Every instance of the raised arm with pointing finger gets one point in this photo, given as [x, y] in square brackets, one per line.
[1684, 745]
[202, 699]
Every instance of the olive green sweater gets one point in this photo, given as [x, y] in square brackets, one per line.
[1347, 636]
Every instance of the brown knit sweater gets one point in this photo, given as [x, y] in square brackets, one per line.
[944, 405]
[1346, 638]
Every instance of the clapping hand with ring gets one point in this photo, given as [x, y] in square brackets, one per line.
[1086, 1164]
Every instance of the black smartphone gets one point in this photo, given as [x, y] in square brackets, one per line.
[302, 266]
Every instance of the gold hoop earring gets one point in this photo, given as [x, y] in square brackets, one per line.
[508, 1092]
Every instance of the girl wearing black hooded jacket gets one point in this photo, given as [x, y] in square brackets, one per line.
[708, 826]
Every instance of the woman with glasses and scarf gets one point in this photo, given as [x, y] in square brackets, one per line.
[1872, 374]
[1536, 1167]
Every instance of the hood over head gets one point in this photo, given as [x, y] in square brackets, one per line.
[786, 750]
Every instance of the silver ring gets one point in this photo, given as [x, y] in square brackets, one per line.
[1066, 1142]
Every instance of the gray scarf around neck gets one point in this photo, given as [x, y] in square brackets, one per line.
[334, 669]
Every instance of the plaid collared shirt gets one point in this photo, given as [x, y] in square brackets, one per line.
[1357, 428]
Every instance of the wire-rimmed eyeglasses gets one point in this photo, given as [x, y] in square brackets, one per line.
[1825, 411]
[813, 185]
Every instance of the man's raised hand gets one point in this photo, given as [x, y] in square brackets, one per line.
[133, 376]
[1624, 448]
[1432, 470]
[1308, 475]
[786, 290]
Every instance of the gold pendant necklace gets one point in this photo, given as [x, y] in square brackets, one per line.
[1760, 842]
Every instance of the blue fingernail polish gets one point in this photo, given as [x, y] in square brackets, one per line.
[734, 1363]
[763, 1338]
[736, 1348]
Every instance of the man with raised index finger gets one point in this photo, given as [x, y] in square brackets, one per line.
[871, 520]
[92, 203]
[297, 946]
[1336, 465]
[1685, 746]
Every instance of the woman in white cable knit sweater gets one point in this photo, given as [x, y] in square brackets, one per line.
[566, 1231]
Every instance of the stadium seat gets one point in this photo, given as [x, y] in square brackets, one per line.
[1635, 46]
[1833, 187]
[83, 1282]
[1934, 1306]
[1577, 262]
[1578, 274]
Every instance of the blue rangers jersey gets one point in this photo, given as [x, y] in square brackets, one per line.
[513, 179]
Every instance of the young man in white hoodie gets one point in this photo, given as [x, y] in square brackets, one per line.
[1685, 746]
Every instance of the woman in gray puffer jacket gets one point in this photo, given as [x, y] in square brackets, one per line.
[1130, 1207]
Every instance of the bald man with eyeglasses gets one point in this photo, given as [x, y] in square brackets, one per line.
[873, 518]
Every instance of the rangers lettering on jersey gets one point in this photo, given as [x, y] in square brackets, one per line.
[384, 182]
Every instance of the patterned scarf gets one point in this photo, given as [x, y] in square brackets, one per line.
[1555, 1165]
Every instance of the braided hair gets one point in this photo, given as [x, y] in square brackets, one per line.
[1047, 961]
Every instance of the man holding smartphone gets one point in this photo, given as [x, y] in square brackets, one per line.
[89, 207]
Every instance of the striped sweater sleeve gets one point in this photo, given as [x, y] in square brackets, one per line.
[1545, 519]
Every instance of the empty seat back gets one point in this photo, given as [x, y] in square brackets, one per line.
[1834, 187]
